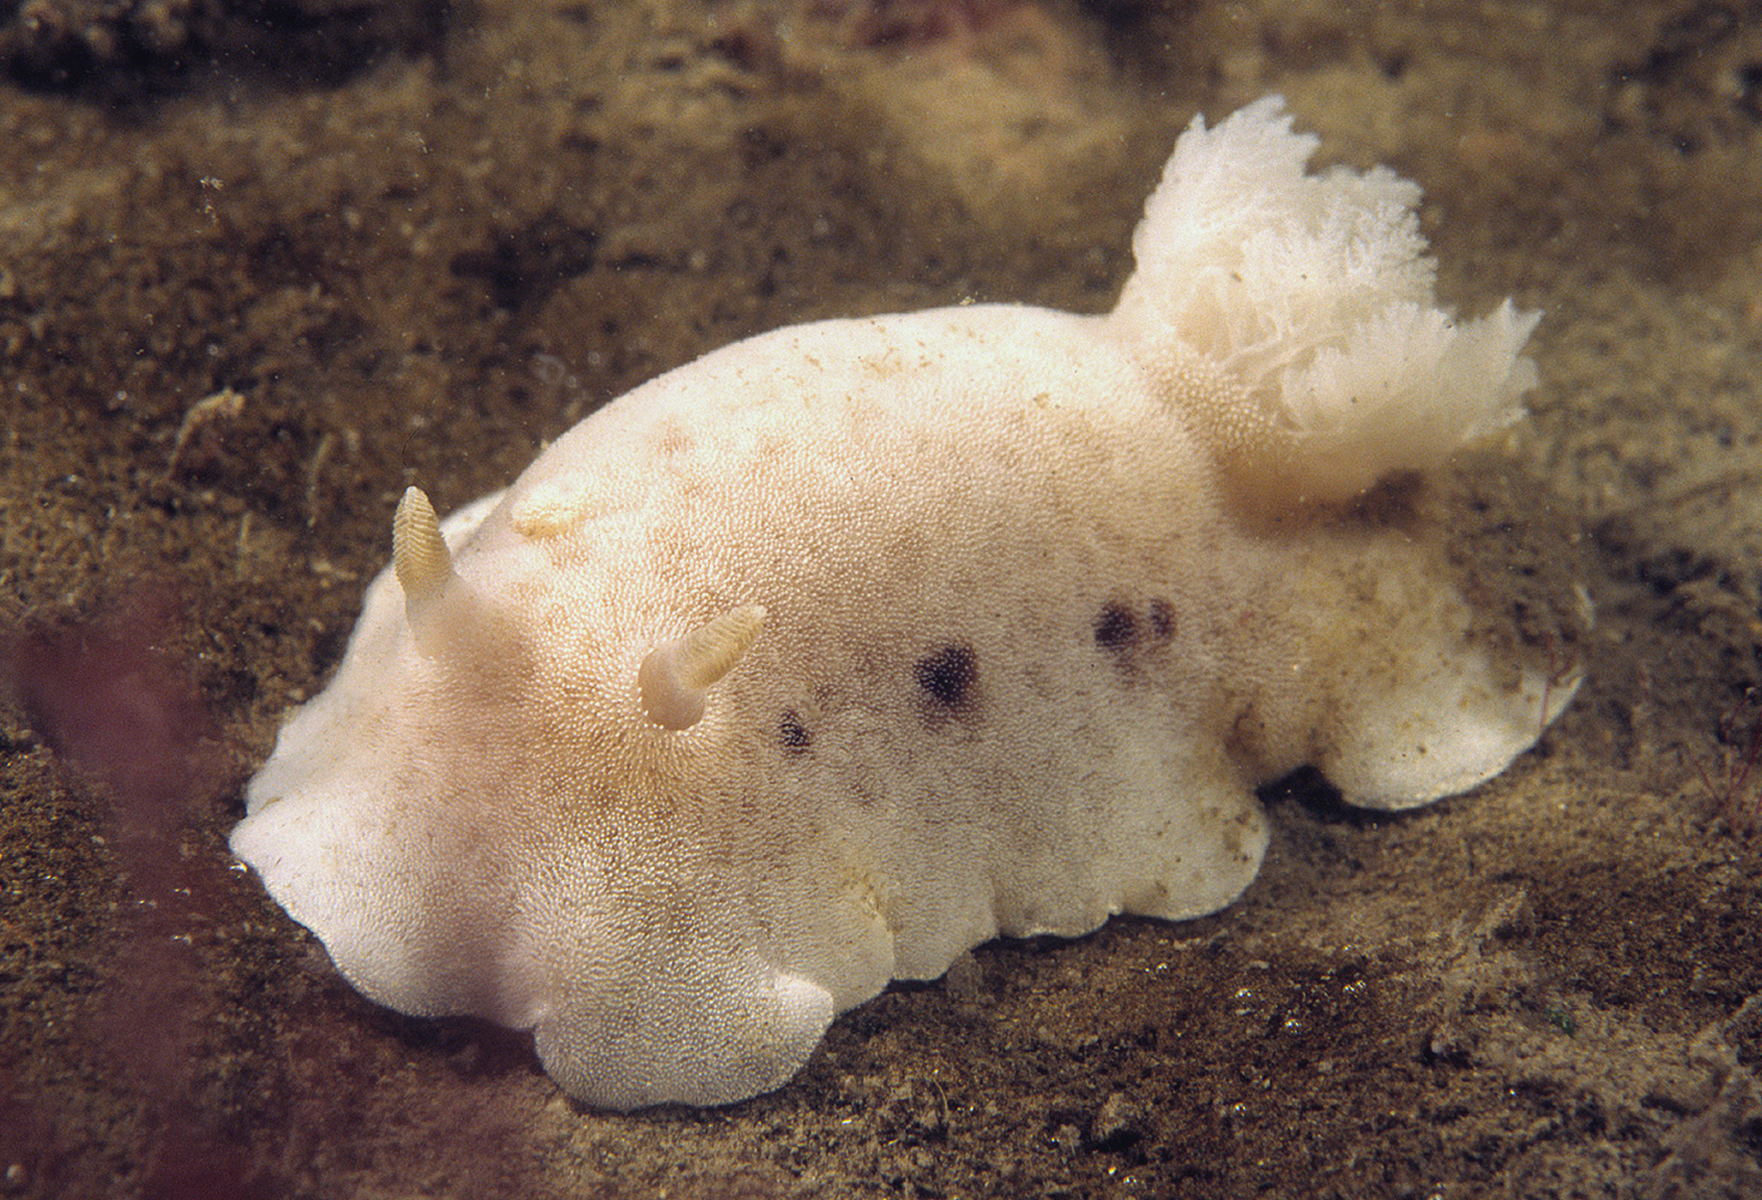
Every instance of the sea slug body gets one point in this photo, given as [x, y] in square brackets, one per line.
[822, 659]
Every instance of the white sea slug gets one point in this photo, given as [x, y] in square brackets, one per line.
[815, 662]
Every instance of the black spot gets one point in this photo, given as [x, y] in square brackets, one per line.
[1162, 619]
[1116, 627]
[948, 675]
[792, 734]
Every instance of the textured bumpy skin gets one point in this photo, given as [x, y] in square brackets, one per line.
[843, 649]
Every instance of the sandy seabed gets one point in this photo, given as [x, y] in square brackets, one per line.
[260, 269]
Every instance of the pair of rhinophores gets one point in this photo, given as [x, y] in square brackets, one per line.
[826, 657]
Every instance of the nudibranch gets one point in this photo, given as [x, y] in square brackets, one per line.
[816, 662]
